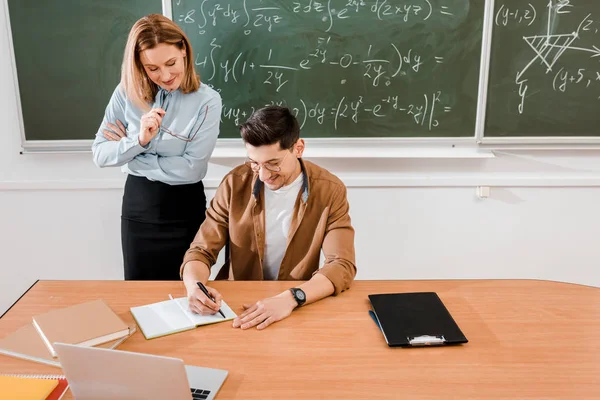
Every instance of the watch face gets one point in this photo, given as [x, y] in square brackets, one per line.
[300, 295]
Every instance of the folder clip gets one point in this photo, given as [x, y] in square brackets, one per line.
[426, 340]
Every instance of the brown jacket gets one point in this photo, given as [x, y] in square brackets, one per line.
[320, 221]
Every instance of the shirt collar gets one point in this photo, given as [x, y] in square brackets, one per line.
[162, 98]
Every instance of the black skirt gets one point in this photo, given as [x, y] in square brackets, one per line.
[158, 223]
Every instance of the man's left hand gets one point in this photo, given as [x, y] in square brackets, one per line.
[264, 312]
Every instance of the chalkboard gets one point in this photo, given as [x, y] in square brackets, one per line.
[545, 69]
[347, 68]
[68, 56]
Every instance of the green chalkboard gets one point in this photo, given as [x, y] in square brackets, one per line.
[348, 68]
[68, 55]
[545, 69]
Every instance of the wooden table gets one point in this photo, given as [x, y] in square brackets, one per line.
[527, 339]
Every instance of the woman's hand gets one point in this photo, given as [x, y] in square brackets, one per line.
[116, 132]
[150, 125]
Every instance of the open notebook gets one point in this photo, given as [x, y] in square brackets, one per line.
[173, 316]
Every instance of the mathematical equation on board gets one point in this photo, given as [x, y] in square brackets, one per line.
[378, 71]
[547, 49]
[424, 112]
[260, 17]
[388, 65]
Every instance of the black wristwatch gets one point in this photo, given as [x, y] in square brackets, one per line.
[299, 296]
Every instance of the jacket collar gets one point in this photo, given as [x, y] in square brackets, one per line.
[258, 184]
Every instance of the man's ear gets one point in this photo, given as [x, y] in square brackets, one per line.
[299, 148]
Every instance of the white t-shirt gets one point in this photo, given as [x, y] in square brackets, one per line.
[279, 209]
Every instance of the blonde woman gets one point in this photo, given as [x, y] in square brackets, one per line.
[160, 126]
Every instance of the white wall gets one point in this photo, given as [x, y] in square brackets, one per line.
[415, 218]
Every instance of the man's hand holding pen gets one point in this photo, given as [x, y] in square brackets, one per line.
[206, 300]
[202, 302]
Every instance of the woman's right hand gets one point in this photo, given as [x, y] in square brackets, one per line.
[150, 125]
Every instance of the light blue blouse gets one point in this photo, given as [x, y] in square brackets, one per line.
[166, 158]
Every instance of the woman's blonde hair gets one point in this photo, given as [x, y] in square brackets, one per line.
[146, 33]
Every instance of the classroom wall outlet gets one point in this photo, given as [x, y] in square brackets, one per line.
[483, 192]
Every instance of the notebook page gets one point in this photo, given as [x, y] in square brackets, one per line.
[206, 319]
[159, 319]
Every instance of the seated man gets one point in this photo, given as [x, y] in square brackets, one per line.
[278, 213]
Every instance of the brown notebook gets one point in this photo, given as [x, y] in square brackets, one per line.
[86, 324]
[26, 343]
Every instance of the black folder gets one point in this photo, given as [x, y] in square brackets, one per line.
[415, 319]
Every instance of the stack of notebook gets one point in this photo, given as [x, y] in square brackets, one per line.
[87, 324]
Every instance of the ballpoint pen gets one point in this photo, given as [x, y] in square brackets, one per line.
[203, 288]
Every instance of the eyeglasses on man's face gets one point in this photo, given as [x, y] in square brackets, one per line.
[270, 166]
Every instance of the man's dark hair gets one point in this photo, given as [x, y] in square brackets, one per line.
[270, 125]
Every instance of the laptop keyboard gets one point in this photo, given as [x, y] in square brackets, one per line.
[199, 394]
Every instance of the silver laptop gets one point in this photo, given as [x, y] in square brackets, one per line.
[97, 373]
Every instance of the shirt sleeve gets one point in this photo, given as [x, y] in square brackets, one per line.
[109, 153]
[214, 231]
[191, 166]
[338, 244]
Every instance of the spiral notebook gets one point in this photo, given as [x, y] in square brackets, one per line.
[33, 387]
